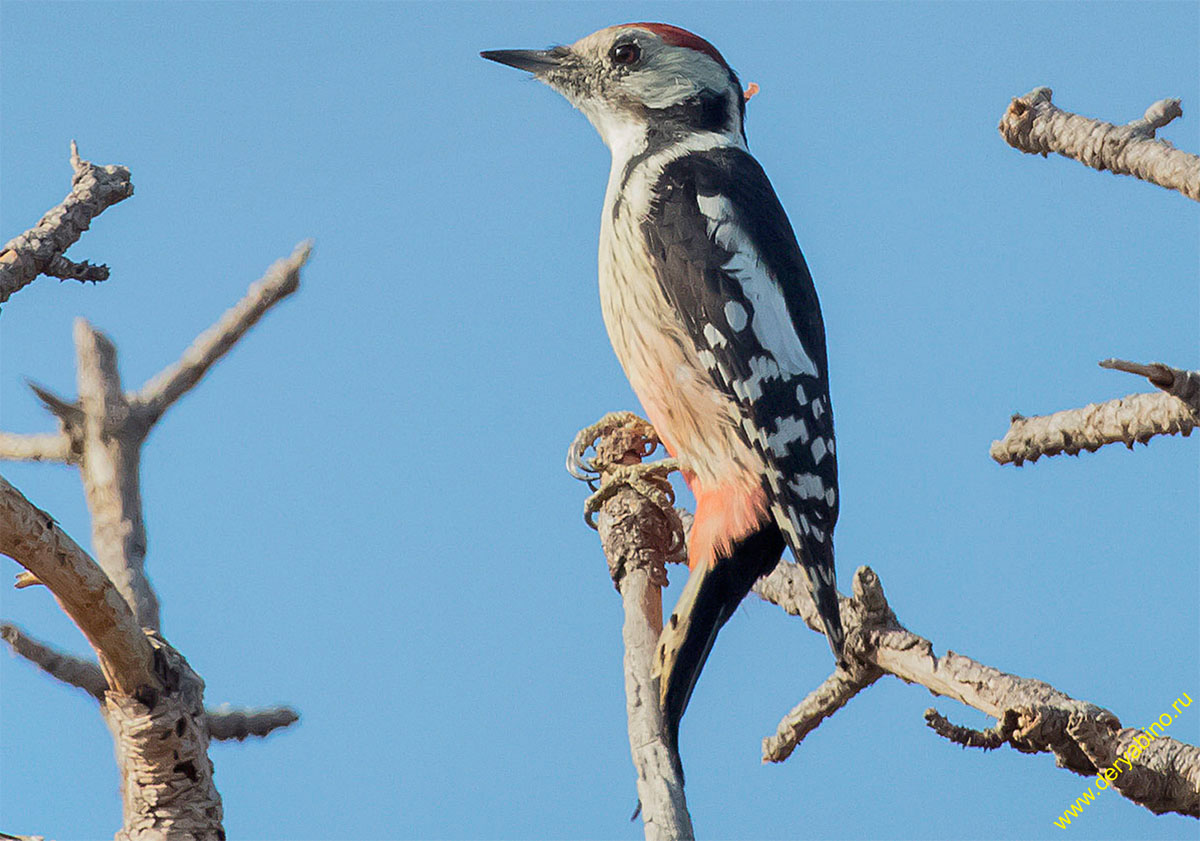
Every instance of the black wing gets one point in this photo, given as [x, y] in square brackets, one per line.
[730, 266]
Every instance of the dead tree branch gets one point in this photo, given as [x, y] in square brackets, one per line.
[1032, 716]
[1032, 124]
[1138, 417]
[40, 249]
[151, 699]
[224, 722]
[103, 432]
[71, 670]
[638, 534]
[162, 390]
[15, 447]
[33, 539]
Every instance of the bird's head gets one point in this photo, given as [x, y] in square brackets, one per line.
[641, 78]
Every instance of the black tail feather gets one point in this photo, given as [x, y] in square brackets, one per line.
[721, 590]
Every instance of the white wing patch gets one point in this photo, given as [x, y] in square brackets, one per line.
[808, 486]
[771, 322]
[787, 430]
[714, 337]
[819, 449]
[736, 315]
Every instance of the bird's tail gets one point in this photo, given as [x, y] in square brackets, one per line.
[710, 597]
[816, 559]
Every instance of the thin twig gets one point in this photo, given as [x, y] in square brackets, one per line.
[14, 447]
[226, 723]
[71, 670]
[162, 390]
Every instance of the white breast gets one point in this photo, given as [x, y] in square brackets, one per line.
[695, 419]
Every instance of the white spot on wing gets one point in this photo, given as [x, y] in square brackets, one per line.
[708, 359]
[808, 486]
[736, 315]
[714, 337]
[818, 408]
[819, 448]
[830, 496]
[762, 368]
[772, 323]
[787, 430]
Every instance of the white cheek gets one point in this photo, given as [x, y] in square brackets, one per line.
[662, 91]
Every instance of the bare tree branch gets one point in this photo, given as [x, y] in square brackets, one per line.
[281, 280]
[638, 537]
[833, 694]
[14, 447]
[104, 430]
[1138, 417]
[226, 723]
[40, 249]
[1033, 716]
[31, 537]
[1034, 125]
[111, 470]
[71, 670]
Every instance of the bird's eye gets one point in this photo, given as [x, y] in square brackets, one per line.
[626, 54]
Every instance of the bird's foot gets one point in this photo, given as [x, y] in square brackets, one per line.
[621, 441]
[638, 440]
[649, 480]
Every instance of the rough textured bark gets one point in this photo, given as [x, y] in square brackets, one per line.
[40, 249]
[1032, 716]
[33, 539]
[1138, 417]
[638, 537]
[166, 776]
[1034, 125]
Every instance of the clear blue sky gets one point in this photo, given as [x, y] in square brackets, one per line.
[363, 510]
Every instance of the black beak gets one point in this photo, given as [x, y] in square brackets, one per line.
[534, 61]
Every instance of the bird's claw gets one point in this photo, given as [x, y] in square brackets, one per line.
[585, 469]
[649, 480]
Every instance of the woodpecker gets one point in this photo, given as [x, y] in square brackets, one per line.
[712, 313]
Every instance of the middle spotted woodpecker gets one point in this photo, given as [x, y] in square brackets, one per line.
[712, 312]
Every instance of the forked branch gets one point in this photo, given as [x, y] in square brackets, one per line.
[33, 539]
[224, 722]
